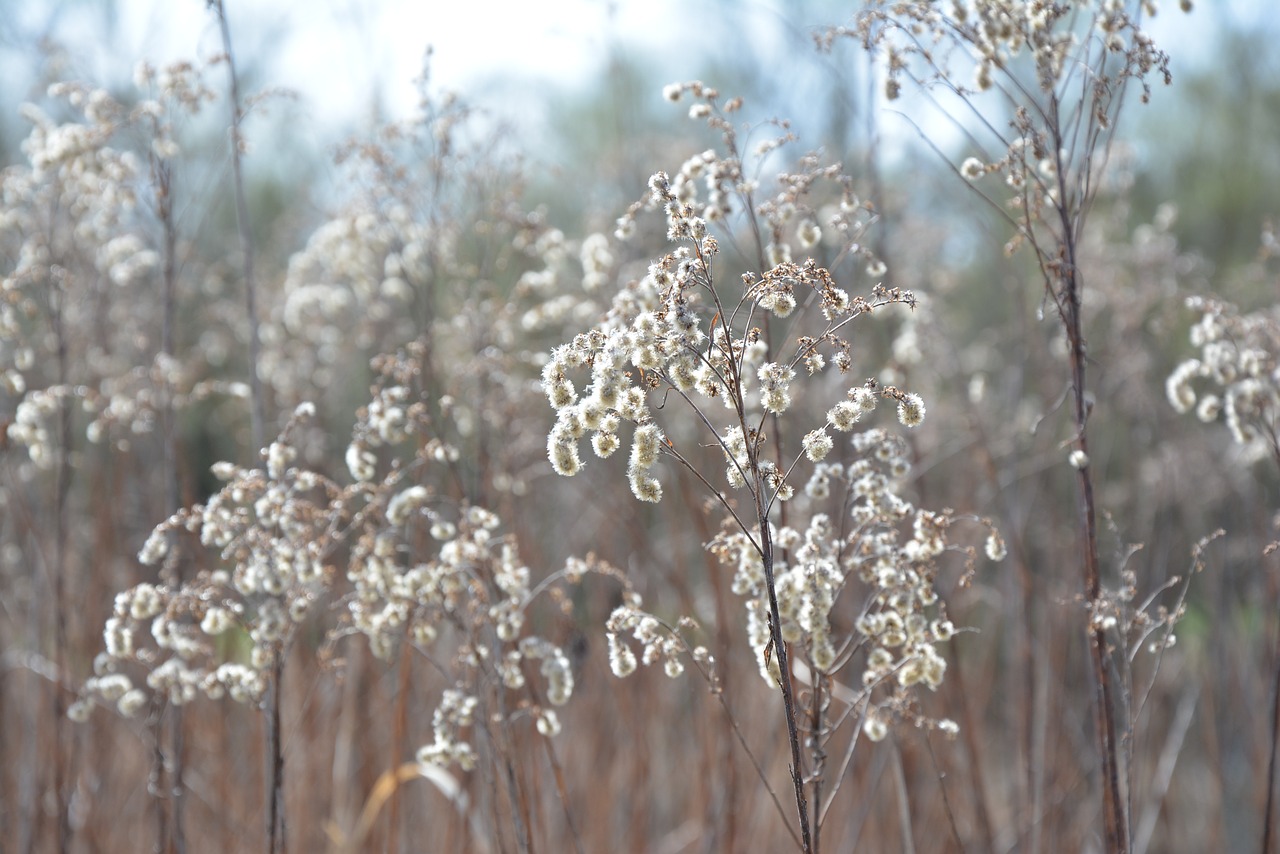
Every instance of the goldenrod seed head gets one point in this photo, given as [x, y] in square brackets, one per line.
[911, 410]
[844, 415]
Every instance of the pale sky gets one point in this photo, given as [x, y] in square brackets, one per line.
[337, 54]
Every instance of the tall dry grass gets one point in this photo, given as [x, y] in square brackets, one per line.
[382, 622]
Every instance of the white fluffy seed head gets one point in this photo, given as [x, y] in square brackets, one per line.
[911, 410]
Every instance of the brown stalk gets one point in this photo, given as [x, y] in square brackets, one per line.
[257, 409]
[784, 662]
[275, 756]
[1268, 822]
[817, 723]
[765, 548]
[275, 759]
[775, 622]
[1115, 817]
[61, 759]
[172, 836]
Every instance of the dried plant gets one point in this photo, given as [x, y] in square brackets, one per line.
[680, 358]
[391, 589]
[1237, 362]
[1234, 379]
[1058, 74]
[409, 565]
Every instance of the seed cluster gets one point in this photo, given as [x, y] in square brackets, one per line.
[1235, 377]
[879, 544]
[423, 570]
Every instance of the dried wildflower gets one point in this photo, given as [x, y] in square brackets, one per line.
[808, 233]
[683, 336]
[274, 527]
[902, 625]
[548, 723]
[405, 503]
[645, 445]
[1238, 358]
[1181, 394]
[622, 661]
[911, 410]
[844, 415]
[1209, 408]
[817, 444]
[775, 386]
[657, 641]
[361, 462]
[972, 169]
[644, 487]
[131, 703]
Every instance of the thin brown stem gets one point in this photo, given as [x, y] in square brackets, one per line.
[257, 409]
[275, 760]
[1115, 816]
[245, 228]
[816, 724]
[847, 760]
[172, 834]
[62, 490]
[155, 780]
[784, 664]
[946, 799]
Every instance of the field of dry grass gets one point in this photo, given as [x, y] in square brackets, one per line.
[773, 510]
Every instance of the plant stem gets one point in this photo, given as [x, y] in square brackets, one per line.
[784, 666]
[1115, 817]
[257, 406]
[172, 835]
[1070, 208]
[275, 758]
[61, 758]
